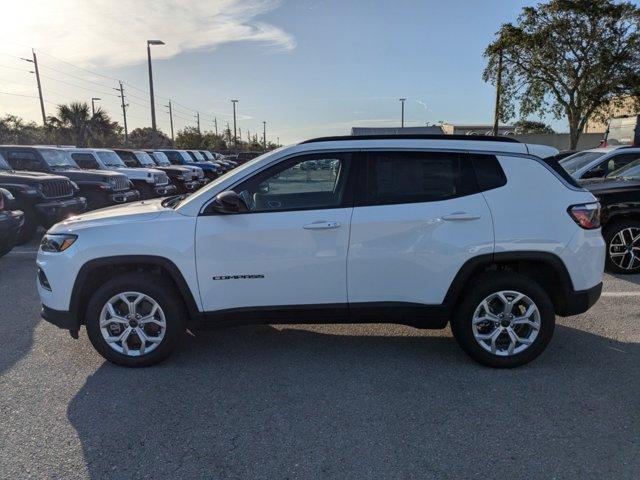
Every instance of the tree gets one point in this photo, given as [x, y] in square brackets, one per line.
[143, 138]
[75, 125]
[530, 126]
[567, 58]
[190, 138]
[14, 131]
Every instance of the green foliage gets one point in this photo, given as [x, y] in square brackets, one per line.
[75, 125]
[143, 138]
[567, 58]
[530, 126]
[14, 130]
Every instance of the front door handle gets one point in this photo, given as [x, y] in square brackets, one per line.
[458, 216]
[321, 225]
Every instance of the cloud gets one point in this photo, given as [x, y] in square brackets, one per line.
[114, 33]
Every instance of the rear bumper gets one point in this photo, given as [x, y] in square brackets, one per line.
[124, 197]
[580, 301]
[56, 211]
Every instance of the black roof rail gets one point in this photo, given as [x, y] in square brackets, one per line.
[472, 138]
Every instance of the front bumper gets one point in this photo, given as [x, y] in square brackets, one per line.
[580, 301]
[124, 197]
[61, 319]
[165, 190]
[190, 186]
[58, 210]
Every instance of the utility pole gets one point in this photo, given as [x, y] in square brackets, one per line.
[496, 113]
[124, 113]
[198, 118]
[37, 72]
[402, 114]
[215, 124]
[235, 138]
[264, 134]
[170, 118]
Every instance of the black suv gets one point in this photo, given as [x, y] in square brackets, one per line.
[184, 178]
[100, 188]
[45, 199]
[619, 196]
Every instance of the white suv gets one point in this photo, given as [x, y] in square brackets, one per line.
[409, 230]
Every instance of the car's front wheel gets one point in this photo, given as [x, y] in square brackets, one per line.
[504, 320]
[623, 247]
[135, 320]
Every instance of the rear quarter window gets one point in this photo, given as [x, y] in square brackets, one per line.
[489, 173]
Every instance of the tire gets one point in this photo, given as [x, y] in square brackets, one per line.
[627, 229]
[171, 311]
[30, 226]
[5, 247]
[485, 286]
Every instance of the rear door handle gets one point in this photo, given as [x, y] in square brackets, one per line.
[321, 225]
[459, 216]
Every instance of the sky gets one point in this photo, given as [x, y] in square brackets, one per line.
[306, 67]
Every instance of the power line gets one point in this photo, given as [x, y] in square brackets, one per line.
[18, 95]
[102, 92]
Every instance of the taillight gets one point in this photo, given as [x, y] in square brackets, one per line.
[587, 215]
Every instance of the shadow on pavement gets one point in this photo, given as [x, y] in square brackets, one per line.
[258, 402]
[19, 308]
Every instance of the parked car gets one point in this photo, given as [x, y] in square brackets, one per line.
[155, 183]
[186, 178]
[599, 162]
[563, 154]
[622, 131]
[43, 198]
[11, 222]
[181, 157]
[417, 230]
[244, 157]
[619, 196]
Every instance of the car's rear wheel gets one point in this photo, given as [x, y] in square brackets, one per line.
[135, 320]
[623, 247]
[504, 320]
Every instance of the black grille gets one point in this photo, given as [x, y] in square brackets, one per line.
[121, 183]
[56, 188]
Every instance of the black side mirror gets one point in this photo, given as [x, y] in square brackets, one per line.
[228, 202]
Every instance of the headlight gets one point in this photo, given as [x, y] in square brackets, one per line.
[57, 242]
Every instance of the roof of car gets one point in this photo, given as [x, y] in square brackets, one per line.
[478, 138]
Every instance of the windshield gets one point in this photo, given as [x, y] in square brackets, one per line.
[198, 155]
[3, 164]
[57, 158]
[145, 159]
[186, 157]
[575, 162]
[161, 159]
[208, 155]
[110, 159]
[630, 170]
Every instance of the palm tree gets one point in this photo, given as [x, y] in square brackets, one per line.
[75, 124]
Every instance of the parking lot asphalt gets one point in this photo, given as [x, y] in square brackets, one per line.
[297, 402]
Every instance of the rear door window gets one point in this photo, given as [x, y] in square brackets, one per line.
[393, 177]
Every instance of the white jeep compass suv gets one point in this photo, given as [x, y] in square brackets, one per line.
[415, 230]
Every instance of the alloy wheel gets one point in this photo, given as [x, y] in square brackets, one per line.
[132, 323]
[624, 249]
[506, 323]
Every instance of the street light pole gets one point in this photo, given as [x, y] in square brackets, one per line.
[235, 137]
[402, 114]
[215, 123]
[153, 105]
[198, 119]
[93, 105]
[264, 134]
